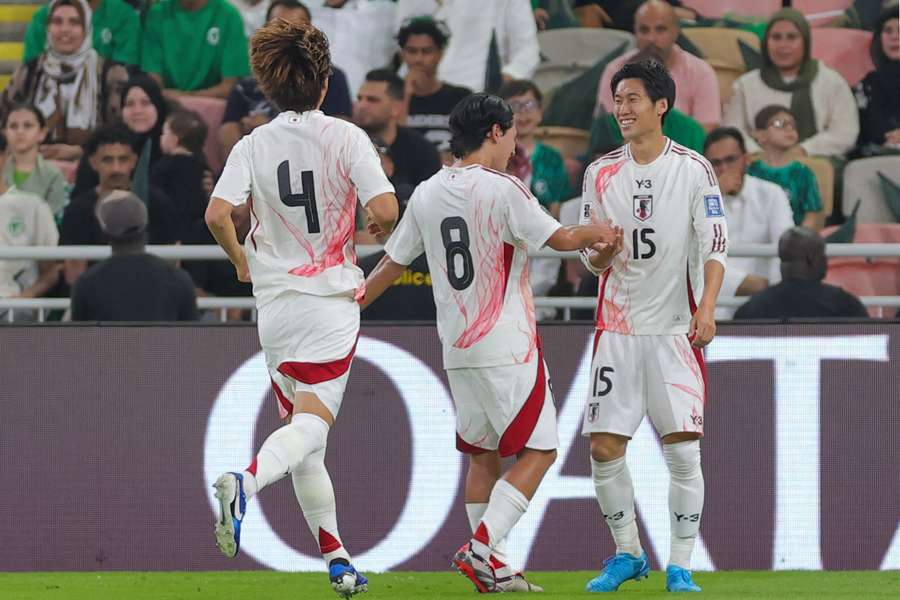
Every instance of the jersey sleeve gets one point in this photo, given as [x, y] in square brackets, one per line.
[529, 222]
[234, 184]
[589, 204]
[406, 244]
[365, 168]
[708, 216]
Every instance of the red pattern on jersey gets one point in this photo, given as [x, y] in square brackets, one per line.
[491, 275]
[604, 177]
[528, 304]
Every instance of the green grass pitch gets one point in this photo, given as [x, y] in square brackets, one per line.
[267, 585]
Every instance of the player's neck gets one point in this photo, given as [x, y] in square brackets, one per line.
[480, 157]
[647, 148]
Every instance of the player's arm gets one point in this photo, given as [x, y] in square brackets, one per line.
[380, 279]
[403, 247]
[383, 210]
[597, 257]
[578, 237]
[218, 219]
[711, 230]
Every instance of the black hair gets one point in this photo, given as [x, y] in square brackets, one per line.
[395, 85]
[288, 4]
[113, 134]
[189, 128]
[42, 122]
[473, 118]
[879, 58]
[720, 133]
[518, 87]
[657, 81]
[761, 121]
[2, 143]
[424, 25]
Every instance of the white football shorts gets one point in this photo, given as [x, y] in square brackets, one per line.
[633, 375]
[309, 342]
[506, 408]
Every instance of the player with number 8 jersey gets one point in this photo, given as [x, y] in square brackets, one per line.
[302, 175]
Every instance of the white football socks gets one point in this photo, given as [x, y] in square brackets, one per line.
[284, 450]
[615, 493]
[475, 511]
[315, 493]
[686, 491]
[505, 508]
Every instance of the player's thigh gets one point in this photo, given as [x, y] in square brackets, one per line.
[676, 386]
[471, 390]
[616, 391]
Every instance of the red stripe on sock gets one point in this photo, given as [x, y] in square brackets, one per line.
[481, 535]
[497, 564]
[252, 468]
[327, 542]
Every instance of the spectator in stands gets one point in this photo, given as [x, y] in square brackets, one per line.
[144, 110]
[377, 109]
[546, 176]
[25, 168]
[776, 133]
[116, 31]
[656, 28]
[248, 108]
[112, 156]
[471, 59]
[131, 285]
[758, 213]
[195, 47]
[74, 87]
[821, 100]
[618, 14]
[25, 220]
[801, 293]
[253, 12]
[878, 95]
[427, 101]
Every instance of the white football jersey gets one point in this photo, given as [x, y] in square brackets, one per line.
[303, 173]
[674, 221]
[476, 226]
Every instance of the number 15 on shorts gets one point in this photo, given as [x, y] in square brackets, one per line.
[601, 385]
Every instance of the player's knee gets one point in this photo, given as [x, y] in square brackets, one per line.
[683, 459]
[605, 448]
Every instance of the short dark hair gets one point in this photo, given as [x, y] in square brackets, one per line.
[761, 121]
[189, 128]
[42, 121]
[721, 133]
[395, 85]
[518, 87]
[292, 63]
[288, 4]
[424, 25]
[473, 118]
[655, 76]
[105, 136]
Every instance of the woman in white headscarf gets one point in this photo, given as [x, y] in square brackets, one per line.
[75, 88]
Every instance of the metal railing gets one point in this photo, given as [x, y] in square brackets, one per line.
[10, 306]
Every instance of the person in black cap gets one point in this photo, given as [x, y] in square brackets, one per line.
[131, 285]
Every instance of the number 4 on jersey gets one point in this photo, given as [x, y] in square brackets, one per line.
[306, 198]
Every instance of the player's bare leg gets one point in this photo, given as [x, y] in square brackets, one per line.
[483, 473]
[615, 494]
[686, 491]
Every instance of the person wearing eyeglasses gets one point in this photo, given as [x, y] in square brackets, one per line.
[777, 136]
[758, 213]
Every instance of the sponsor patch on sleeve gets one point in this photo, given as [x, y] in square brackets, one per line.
[713, 206]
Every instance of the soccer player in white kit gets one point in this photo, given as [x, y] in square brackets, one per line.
[301, 175]
[647, 357]
[475, 225]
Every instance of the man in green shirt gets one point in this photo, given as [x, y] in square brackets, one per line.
[116, 31]
[195, 46]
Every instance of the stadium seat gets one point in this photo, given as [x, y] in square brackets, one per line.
[720, 48]
[567, 53]
[824, 171]
[868, 276]
[211, 110]
[715, 9]
[569, 141]
[844, 50]
[821, 12]
[861, 182]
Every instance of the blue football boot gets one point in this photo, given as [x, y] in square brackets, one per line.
[232, 505]
[679, 579]
[619, 569]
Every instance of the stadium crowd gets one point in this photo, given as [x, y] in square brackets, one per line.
[150, 97]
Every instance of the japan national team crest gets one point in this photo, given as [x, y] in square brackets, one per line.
[593, 411]
[643, 207]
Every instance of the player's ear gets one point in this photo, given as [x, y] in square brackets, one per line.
[662, 105]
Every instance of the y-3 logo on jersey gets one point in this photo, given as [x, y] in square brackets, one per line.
[643, 183]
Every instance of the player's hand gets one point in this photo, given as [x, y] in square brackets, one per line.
[607, 250]
[374, 229]
[243, 269]
[703, 327]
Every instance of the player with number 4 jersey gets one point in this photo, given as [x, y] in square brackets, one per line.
[302, 175]
[647, 349]
[475, 225]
